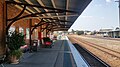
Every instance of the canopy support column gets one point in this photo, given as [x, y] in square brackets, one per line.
[30, 40]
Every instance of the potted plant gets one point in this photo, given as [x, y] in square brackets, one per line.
[14, 41]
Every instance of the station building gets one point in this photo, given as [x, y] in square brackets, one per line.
[114, 34]
[104, 32]
[37, 18]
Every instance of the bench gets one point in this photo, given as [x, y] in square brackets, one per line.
[2, 59]
[47, 42]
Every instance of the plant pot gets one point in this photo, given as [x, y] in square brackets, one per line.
[14, 41]
[15, 56]
[13, 59]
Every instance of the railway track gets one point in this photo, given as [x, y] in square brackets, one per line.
[107, 38]
[101, 48]
[110, 52]
[91, 59]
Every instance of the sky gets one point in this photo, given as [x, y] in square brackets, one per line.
[99, 14]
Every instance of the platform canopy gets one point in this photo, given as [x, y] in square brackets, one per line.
[69, 11]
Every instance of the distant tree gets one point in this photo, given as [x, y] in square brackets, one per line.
[73, 31]
[79, 32]
[94, 32]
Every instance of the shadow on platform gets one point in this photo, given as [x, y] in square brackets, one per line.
[58, 56]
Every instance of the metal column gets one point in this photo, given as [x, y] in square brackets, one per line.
[30, 40]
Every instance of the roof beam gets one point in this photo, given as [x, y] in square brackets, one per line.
[56, 16]
[44, 7]
[26, 7]
[58, 29]
[59, 16]
[29, 2]
[67, 5]
[41, 3]
[57, 20]
[53, 3]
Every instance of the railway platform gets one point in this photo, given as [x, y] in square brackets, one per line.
[60, 55]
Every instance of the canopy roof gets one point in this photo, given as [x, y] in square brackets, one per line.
[69, 10]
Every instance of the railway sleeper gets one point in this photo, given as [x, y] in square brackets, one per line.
[90, 58]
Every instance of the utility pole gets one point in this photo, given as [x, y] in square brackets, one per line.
[119, 11]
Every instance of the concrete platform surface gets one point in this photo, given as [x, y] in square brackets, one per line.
[57, 56]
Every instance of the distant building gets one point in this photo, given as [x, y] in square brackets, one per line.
[115, 33]
[104, 32]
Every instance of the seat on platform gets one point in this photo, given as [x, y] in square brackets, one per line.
[47, 42]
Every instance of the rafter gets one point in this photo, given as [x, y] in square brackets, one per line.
[58, 20]
[53, 3]
[30, 9]
[59, 16]
[38, 6]
[27, 8]
[56, 16]
[29, 2]
[67, 5]
[41, 3]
